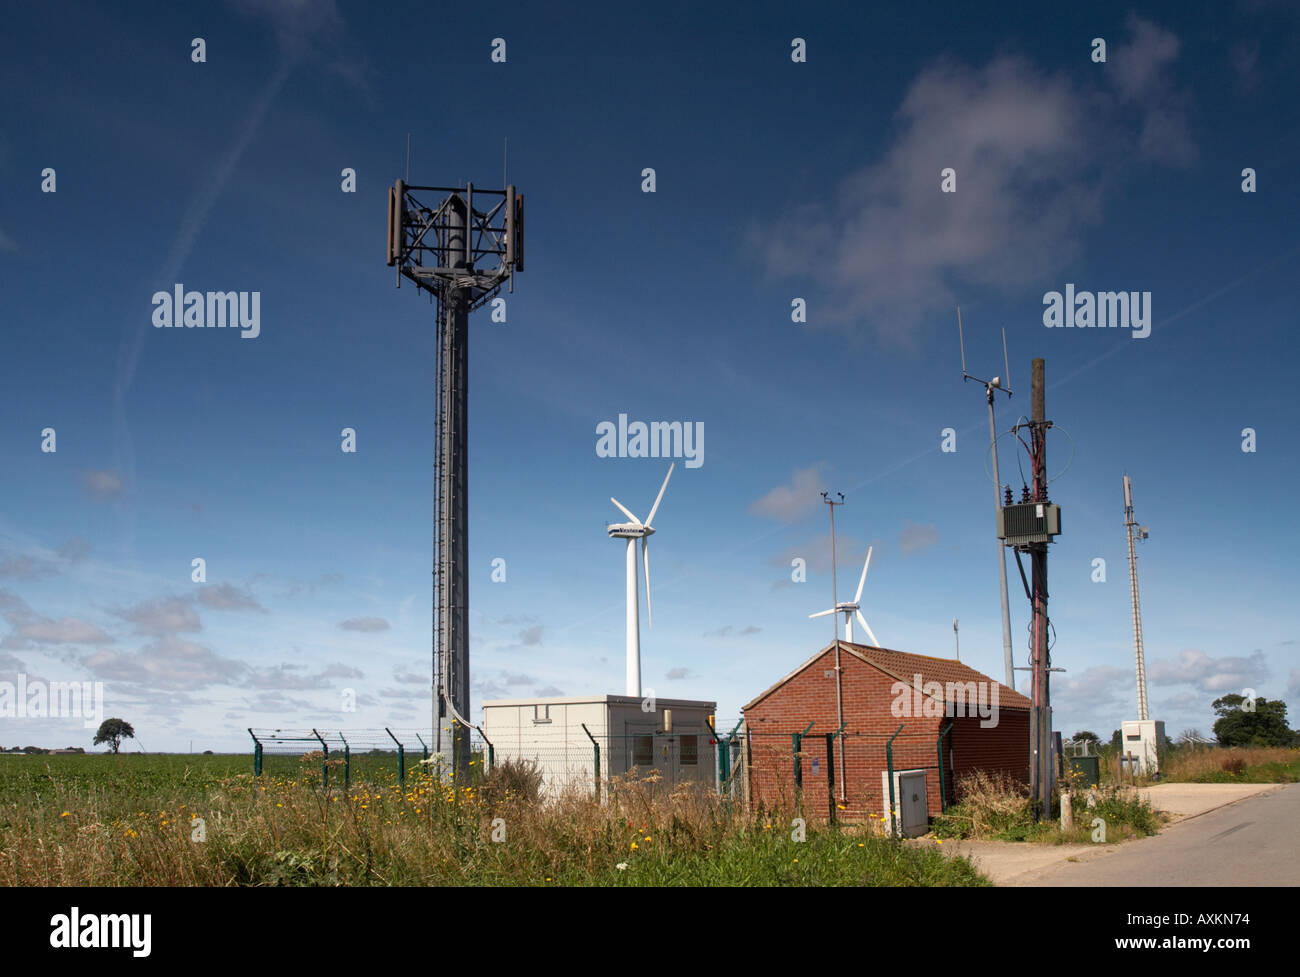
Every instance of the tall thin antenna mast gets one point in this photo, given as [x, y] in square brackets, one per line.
[1135, 532]
[826, 497]
[835, 598]
[1002, 383]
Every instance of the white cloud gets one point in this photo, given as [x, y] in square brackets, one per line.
[227, 597]
[914, 538]
[364, 624]
[290, 677]
[1034, 153]
[103, 486]
[1217, 675]
[162, 615]
[167, 663]
[1140, 70]
[1094, 688]
[30, 629]
[792, 501]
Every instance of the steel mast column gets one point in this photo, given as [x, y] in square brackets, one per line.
[438, 248]
[452, 540]
[1040, 729]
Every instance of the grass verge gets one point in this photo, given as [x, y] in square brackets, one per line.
[166, 820]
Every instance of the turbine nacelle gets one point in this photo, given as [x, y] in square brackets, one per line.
[628, 530]
[851, 608]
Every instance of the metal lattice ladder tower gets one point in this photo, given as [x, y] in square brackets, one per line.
[1134, 532]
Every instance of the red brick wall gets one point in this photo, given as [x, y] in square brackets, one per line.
[870, 721]
[1003, 748]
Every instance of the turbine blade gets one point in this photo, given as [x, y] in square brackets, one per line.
[655, 508]
[857, 597]
[867, 627]
[821, 613]
[1006, 364]
[624, 510]
[645, 561]
[961, 338]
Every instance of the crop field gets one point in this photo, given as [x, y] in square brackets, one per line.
[136, 819]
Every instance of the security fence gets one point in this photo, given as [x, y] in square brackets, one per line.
[336, 757]
[590, 760]
[837, 774]
[582, 759]
[833, 774]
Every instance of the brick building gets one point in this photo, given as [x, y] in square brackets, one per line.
[987, 727]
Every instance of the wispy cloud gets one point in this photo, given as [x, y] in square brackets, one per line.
[170, 662]
[30, 630]
[1141, 72]
[295, 677]
[915, 538]
[162, 615]
[364, 624]
[1210, 675]
[103, 486]
[794, 500]
[890, 248]
[227, 597]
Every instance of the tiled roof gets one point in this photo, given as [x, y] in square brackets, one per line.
[904, 667]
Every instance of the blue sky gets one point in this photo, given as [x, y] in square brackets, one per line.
[775, 180]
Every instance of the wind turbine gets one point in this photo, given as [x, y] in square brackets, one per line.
[850, 609]
[632, 531]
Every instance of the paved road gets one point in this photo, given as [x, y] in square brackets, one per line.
[1255, 841]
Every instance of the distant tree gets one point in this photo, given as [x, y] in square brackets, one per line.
[1116, 740]
[1190, 737]
[111, 731]
[1086, 736]
[1264, 726]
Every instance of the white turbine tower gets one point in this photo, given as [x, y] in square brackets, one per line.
[850, 609]
[632, 531]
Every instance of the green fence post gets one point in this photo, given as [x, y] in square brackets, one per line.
[797, 740]
[257, 753]
[889, 762]
[347, 762]
[491, 752]
[943, 793]
[325, 760]
[731, 738]
[830, 770]
[724, 756]
[596, 750]
[401, 757]
[424, 747]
